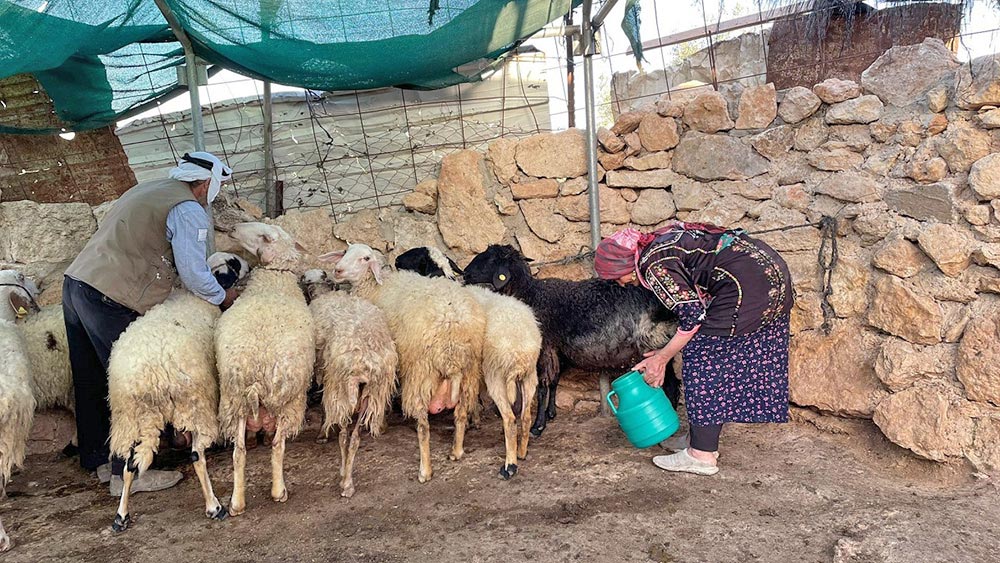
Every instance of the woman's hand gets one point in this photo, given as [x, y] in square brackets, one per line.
[653, 367]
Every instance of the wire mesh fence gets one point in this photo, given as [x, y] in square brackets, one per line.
[348, 151]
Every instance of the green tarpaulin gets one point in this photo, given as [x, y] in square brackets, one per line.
[99, 59]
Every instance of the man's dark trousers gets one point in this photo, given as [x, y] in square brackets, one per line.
[93, 324]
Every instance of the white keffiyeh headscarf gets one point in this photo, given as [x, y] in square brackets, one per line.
[200, 165]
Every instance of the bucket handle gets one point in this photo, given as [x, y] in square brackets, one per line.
[614, 410]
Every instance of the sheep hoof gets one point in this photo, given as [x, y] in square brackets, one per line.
[455, 456]
[5, 543]
[508, 471]
[218, 514]
[424, 478]
[234, 511]
[121, 523]
[282, 497]
[348, 492]
[536, 431]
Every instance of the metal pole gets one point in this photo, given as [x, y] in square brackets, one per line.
[570, 67]
[598, 20]
[593, 195]
[270, 196]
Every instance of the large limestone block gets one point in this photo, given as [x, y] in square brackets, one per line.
[724, 211]
[772, 216]
[544, 188]
[799, 103]
[985, 177]
[835, 158]
[850, 285]
[900, 364]
[609, 141]
[900, 311]
[411, 231]
[651, 161]
[663, 178]
[979, 357]
[978, 84]
[101, 211]
[852, 186]
[923, 202]
[717, 157]
[775, 142]
[658, 133]
[543, 220]
[811, 134]
[858, 110]
[500, 156]
[961, 145]
[312, 229]
[931, 420]
[369, 226]
[835, 373]
[44, 232]
[627, 122]
[613, 207]
[985, 450]
[653, 207]
[708, 112]
[690, 195]
[757, 107]
[553, 155]
[904, 74]
[835, 90]
[467, 220]
[948, 247]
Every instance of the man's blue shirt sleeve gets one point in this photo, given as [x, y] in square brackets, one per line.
[188, 230]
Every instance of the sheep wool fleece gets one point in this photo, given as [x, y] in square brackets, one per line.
[48, 351]
[17, 405]
[162, 369]
[265, 351]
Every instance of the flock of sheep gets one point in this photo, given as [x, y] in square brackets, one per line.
[222, 375]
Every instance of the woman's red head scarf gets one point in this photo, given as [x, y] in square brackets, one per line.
[618, 255]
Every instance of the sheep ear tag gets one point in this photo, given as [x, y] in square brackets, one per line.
[501, 277]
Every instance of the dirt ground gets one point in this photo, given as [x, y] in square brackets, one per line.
[790, 493]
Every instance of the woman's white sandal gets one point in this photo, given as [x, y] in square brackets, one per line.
[683, 462]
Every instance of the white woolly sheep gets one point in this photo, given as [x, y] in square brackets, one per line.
[48, 352]
[265, 351]
[162, 370]
[510, 354]
[356, 366]
[17, 404]
[438, 329]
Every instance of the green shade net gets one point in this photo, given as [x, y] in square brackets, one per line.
[101, 59]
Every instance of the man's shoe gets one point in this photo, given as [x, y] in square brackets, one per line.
[151, 480]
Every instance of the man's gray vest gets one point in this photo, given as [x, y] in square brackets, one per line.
[129, 258]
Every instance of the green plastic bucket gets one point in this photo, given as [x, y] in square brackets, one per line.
[643, 412]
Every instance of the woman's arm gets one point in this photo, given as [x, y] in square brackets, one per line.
[654, 366]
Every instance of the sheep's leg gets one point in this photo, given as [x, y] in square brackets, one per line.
[122, 517]
[550, 412]
[461, 422]
[5, 542]
[424, 438]
[548, 371]
[343, 450]
[278, 490]
[528, 386]
[541, 396]
[347, 485]
[213, 508]
[605, 384]
[238, 502]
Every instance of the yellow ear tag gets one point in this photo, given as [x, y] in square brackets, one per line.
[502, 277]
[21, 313]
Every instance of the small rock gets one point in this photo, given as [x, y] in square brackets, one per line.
[854, 137]
[961, 145]
[419, 202]
[926, 170]
[977, 84]
[651, 161]
[627, 122]
[643, 179]
[613, 208]
[882, 130]
[793, 196]
[900, 257]
[505, 204]
[984, 178]
[811, 134]
[500, 156]
[633, 145]
[757, 107]
[628, 194]
[937, 98]
[670, 108]
[898, 310]
[835, 90]
[977, 214]
[574, 186]
[691, 195]
[775, 142]
[611, 142]
[990, 119]
[553, 155]
[948, 247]
[900, 364]
[653, 207]
[612, 161]
[658, 133]
[835, 159]
[850, 186]
[542, 219]
[857, 110]
[799, 103]
[979, 357]
[544, 188]
[708, 113]
[928, 419]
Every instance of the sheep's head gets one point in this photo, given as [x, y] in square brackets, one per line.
[17, 294]
[500, 266]
[270, 243]
[314, 283]
[228, 268]
[429, 262]
[356, 263]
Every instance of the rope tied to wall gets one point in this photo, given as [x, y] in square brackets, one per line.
[827, 259]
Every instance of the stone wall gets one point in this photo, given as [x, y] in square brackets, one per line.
[905, 160]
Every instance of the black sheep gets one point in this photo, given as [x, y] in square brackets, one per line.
[592, 324]
[429, 262]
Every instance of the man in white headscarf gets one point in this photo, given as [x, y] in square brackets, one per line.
[156, 231]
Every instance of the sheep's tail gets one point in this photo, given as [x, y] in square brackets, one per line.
[15, 426]
[340, 398]
[135, 436]
[380, 390]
